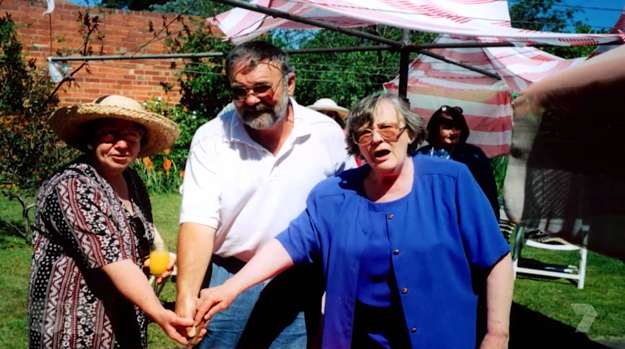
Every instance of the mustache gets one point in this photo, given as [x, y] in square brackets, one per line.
[260, 107]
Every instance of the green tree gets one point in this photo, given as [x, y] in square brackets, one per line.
[30, 150]
[346, 77]
[200, 8]
[551, 16]
[132, 5]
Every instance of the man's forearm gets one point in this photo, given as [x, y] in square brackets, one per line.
[499, 289]
[195, 247]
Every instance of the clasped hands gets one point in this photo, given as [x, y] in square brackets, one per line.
[202, 308]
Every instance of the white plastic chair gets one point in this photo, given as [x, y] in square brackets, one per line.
[574, 272]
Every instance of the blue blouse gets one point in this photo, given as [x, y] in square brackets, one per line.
[446, 229]
[375, 263]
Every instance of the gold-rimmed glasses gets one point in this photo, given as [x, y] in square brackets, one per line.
[240, 93]
[389, 132]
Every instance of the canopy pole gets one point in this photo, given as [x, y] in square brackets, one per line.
[404, 63]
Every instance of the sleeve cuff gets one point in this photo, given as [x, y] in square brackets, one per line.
[207, 221]
[286, 242]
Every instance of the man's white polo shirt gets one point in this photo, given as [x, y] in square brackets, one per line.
[235, 185]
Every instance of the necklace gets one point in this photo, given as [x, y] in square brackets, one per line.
[441, 153]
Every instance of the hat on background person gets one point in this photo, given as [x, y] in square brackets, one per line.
[66, 122]
[327, 104]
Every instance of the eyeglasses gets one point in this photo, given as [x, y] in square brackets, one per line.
[388, 132]
[240, 93]
[111, 135]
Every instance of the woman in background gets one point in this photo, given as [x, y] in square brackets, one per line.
[447, 137]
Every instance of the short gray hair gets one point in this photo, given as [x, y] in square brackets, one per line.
[256, 52]
[362, 116]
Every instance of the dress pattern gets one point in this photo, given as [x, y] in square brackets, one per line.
[82, 225]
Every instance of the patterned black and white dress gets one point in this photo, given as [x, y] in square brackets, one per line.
[82, 225]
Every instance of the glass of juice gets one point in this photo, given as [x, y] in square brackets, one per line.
[159, 259]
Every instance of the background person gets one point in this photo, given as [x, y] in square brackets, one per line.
[447, 137]
[403, 242]
[329, 108]
[93, 229]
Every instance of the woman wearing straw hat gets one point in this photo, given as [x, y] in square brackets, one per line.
[93, 229]
[330, 108]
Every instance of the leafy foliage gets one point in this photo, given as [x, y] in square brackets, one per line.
[164, 172]
[200, 8]
[345, 77]
[31, 151]
[133, 5]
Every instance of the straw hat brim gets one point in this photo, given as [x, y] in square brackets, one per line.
[162, 133]
[340, 110]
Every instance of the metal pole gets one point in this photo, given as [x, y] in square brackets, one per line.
[404, 62]
[320, 24]
[342, 49]
[122, 57]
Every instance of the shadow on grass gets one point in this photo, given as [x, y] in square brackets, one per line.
[533, 330]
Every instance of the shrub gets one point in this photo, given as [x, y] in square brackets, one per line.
[30, 150]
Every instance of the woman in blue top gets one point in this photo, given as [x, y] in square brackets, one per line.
[447, 137]
[402, 241]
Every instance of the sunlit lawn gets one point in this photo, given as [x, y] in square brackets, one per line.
[604, 289]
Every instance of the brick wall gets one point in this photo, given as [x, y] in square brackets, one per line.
[124, 31]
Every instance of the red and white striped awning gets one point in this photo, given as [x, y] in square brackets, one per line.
[486, 101]
[474, 18]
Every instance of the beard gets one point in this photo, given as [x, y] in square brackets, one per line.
[262, 116]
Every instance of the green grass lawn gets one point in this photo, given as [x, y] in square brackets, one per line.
[604, 289]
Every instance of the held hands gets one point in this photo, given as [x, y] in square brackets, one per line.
[211, 301]
[214, 300]
[172, 323]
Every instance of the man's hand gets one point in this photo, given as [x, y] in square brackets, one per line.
[186, 307]
[214, 300]
[172, 323]
[495, 341]
[170, 268]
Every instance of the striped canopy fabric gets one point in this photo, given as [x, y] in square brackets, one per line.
[486, 101]
[474, 18]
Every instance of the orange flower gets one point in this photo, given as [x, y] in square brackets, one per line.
[167, 164]
[166, 151]
[147, 162]
[182, 173]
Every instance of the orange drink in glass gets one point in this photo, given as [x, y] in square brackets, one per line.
[159, 259]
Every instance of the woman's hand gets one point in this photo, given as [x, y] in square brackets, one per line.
[170, 267]
[173, 325]
[213, 300]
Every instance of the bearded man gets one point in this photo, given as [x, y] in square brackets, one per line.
[248, 175]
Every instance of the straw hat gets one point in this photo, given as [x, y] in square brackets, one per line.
[162, 133]
[328, 104]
